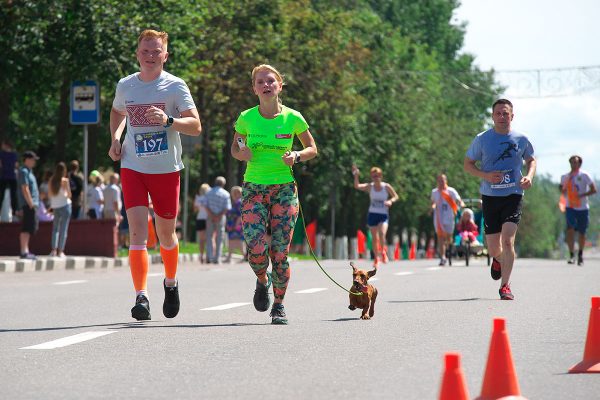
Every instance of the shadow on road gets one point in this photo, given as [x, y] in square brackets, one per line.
[130, 325]
[342, 319]
[439, 300]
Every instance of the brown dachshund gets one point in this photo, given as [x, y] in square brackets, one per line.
[366, 301]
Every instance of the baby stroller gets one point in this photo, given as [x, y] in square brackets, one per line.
[465, 248]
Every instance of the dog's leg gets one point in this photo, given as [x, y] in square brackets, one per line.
[365, 314]
[373, 298]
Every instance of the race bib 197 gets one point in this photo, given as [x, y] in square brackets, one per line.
[508, 180]
[151, 144]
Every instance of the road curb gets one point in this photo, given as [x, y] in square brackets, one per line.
[80, 263]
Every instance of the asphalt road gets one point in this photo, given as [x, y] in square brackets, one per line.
[325, 352]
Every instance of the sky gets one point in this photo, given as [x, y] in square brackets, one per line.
[525, 35]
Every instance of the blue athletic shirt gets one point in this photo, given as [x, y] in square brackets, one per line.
[498, 152]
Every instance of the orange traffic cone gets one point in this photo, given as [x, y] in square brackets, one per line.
[397, 251]
[412, 254]
[500, 378]
[591, 354]
[454, 385]
[430, 253]
[152, 240]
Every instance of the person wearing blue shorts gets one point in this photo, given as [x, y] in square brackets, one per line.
[382, 196]
[576, 187]
[500, 152]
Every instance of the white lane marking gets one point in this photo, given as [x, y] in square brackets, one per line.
[313, 290]
[404, 273]
[69, 340]
[434, 268]
[69, 282]
[156, 274]
[224, 307]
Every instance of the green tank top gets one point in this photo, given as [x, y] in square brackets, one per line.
[269, 139]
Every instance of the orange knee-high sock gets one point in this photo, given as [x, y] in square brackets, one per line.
[170, 257]
[138, 263]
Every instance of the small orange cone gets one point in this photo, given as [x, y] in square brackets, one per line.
[397, 251]
[152, 240]
[591, 354]
[500, 378]
[430, 253]
[454, 385]
[412, 255]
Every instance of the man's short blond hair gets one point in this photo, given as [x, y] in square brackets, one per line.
[152, 34]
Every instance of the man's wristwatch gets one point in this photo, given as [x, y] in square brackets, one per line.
[297, 158]
[169, 122]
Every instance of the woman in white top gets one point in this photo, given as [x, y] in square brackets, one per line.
[95, 196]
[382, 197]
[59, 193]
[201, 216]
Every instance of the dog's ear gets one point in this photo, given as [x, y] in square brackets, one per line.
[371, 273]
[353, 267]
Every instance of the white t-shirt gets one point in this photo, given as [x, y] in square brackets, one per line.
[442, 208]
[378, 198]
[94, 194]
[112, 194]
[148, 147]
[581, 183]
[200, 202]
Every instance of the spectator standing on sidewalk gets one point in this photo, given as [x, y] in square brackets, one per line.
[201, 217]
[218, 203]
[59, 193]
[112, 198]
[8, 174]
[233, 224]
[29, 200]
[76, 183]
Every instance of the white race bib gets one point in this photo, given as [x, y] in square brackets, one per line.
[508, 180]
[151, 144]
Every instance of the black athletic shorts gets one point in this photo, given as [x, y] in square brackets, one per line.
[30, 220]
[500, 209]
[200, 224]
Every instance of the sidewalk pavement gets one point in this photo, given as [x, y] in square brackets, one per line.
[47, 263]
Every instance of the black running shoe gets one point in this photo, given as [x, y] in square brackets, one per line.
[580, 260]
[505, 293]
[261, 300]
[141, 310]
[171, 303]
[496, 270]
[278, 316]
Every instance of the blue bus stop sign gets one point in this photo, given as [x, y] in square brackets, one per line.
[85, 103]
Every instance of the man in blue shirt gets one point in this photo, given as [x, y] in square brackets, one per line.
[29, 200]
[500, 152]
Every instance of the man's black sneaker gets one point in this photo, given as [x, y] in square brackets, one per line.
[171, 303]
[496, 269]
[505, 292]
[141, 310]
[278, 316]
[261, 300]
[571, 260]
[580, 260]
[28, 256]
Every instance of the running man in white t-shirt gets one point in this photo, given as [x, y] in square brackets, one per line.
[576, 186]
[445, 202]
[156, 107]
[382, 196]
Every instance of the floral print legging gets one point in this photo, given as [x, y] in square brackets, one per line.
[276, 205]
